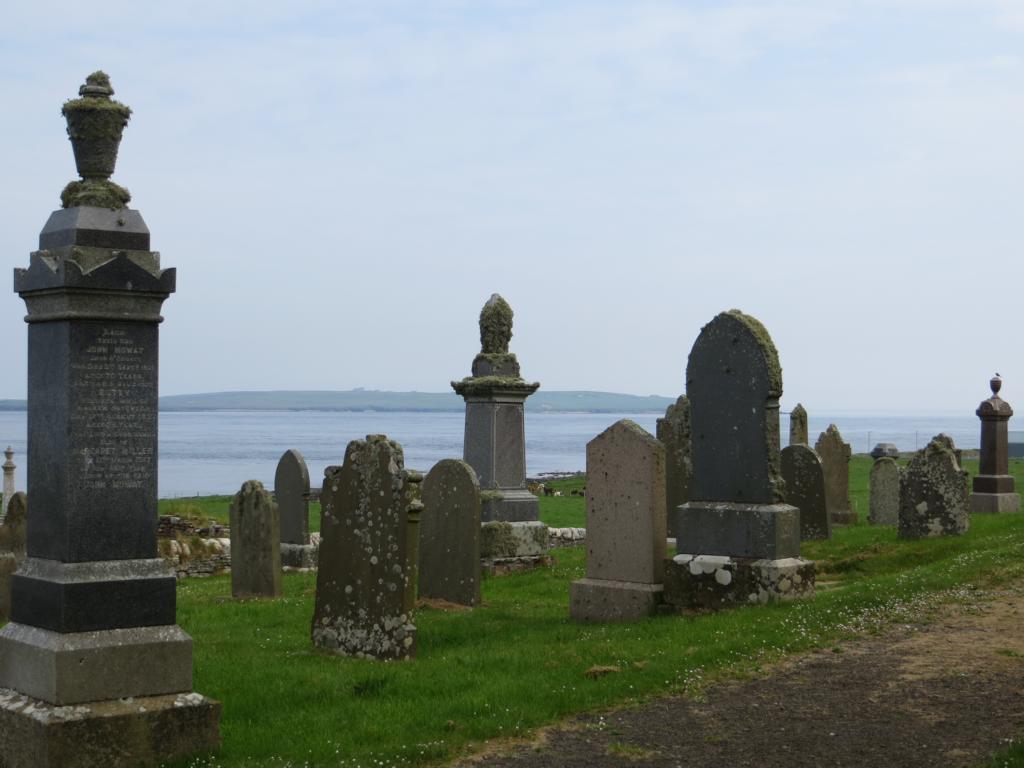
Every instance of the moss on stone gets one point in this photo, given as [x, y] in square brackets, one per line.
[474, 385]
[98, 193]
[94, 96]
[495, 326]
[764, 340]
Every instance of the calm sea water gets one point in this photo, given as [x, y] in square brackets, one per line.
[216, 451]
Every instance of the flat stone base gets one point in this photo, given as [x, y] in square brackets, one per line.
[513, 505]
[79, 667]
[299, 556]
[606, 600]
[122, 732]
[718, 581]
[500, 566]
[756, 531]
[846, 517]
[506, 540]
[987, 503]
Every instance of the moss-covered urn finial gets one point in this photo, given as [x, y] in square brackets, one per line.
[495, 326]
[95, 123]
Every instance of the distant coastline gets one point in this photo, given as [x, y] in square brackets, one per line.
[393, 402]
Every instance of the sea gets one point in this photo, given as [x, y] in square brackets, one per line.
[214, 452]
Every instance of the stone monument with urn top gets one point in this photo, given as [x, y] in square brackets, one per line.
[993, 486]
[94, 669]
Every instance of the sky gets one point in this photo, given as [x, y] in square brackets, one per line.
[341, 185]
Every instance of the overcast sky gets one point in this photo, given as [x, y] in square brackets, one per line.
[341, 185]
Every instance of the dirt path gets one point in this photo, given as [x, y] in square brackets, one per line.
[948, 692]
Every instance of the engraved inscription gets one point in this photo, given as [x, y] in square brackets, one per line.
[114, 411]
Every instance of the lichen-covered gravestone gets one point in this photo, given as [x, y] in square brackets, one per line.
[625, 526]
[449, 559]
[742, 541]
[884, 492]
[805, 490]
[933, 494]
[798, 426]
[361, 581]
[673, 431]
[835, 460]
[255, 543]
[994, 486]
[12, 548]
[291, 490]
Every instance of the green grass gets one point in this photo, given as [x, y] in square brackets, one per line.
[517, 662]
[206, 508]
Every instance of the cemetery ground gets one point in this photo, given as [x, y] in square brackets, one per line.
[517, 663]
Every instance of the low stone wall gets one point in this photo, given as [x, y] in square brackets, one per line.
[566, 537]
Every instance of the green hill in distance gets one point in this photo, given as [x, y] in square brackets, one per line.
[373, 400]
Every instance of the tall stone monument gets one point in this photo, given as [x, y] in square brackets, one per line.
[626, 545]
[495, 439]
[835, 459]
[255, 543]
[673, 431]
[933, 493]
[798, 426]
[805, 490]
[9, 467]
[741, 541]
[449, 557]
[993, 486]
[93, 605]
[291, 489]
[361, 582]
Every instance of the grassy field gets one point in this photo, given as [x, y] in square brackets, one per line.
[517, 662]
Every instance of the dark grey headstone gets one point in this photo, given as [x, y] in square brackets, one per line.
[798, 426]
[291, 487]
[733, 381]
[887, 450]
[449, 561]
[361, 581]
[805, 490]
[884, 492]
[673, 431]
[14, 531]
[933, 494]
[835, 460]
[255, 543]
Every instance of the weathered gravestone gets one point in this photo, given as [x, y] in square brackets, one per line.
[9, 467]
[798, 426]
[993, 486]
[741, 540]
[255, 543]
[888, 450]
[805, 490]
[449, 558]
[835, 460]
[413, 514]
[625, 526]
[94, 668]
[673, 431]
[933, 495]
[12, 548]
[884, 491]
[362, 576]
[291, 490]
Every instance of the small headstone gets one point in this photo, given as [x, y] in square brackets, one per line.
[994, 486]
[835, 460]
[12, 548]
[805, 490]
[673, 431]
[626, 544]
[9, 467]
[884, 491]
[933, 496]
[798, 426]
[255, 543]
[739, 542]
[361, 581]
[449, 562]
[888, 450]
